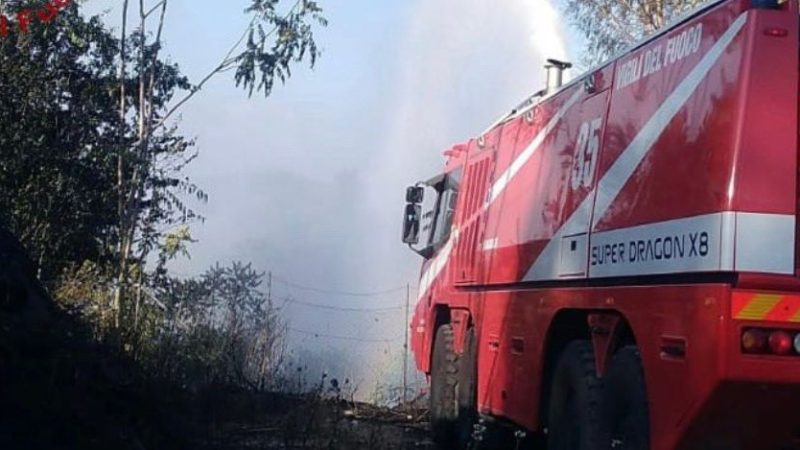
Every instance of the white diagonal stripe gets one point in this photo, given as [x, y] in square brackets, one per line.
[437, 264]
[503, 180]
[609, 187]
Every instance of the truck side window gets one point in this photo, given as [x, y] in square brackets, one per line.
[445, 209]
[443, 222]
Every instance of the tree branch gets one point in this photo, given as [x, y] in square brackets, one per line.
[224, 64]
[161, 3]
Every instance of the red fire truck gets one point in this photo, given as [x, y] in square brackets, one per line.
[614, 264]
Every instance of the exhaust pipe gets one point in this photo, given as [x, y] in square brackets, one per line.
[555, 74]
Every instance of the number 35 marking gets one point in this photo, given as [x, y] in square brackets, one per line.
[586, 154]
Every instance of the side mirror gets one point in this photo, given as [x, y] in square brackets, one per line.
[411, 224]
[415, 195]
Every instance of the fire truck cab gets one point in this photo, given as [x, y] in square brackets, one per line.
[614, 264]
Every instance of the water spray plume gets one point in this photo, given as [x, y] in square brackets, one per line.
[461, 64]
[548, 38]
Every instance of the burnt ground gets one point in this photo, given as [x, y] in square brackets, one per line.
[310, 422]
[60, 391]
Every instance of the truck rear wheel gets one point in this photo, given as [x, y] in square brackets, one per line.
[444, 389]
[575, 395]
[624, 406]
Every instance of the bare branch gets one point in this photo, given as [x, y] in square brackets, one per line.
[154, 8]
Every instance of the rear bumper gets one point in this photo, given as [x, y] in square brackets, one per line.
[752, 404]
[771, 310]
[745, 416]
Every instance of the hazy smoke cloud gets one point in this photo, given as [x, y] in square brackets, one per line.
[310, 183]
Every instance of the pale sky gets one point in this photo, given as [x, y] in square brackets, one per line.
[310, 182]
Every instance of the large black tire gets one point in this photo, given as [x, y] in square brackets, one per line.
[467, 391]
[444, 389]
[625, 412]
[574, 406]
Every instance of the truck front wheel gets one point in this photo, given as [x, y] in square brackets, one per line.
[624, 407]
[444, 388]
[574, 406]
[467, 390]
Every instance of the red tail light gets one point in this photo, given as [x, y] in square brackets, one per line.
[760, 341]
[754, 341]
[780, 342]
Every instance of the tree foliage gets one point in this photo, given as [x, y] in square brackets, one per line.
[609, 26]
[275, 41]
[58, 125]
[60, 142]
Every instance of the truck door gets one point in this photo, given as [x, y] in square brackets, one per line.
[573, 258]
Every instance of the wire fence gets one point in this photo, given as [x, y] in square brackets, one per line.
[332, 319]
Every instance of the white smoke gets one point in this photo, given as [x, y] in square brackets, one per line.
[547, 37]
[462, 64]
